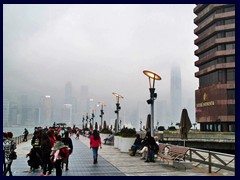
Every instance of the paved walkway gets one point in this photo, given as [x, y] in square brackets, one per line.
[111, 162]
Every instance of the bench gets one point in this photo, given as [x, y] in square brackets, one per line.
[162, 148]
[174, 154]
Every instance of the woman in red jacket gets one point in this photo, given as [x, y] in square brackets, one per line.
[95, 142]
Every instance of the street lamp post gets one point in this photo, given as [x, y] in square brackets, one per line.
[118, 107]
[83, 119]
[153, 95]
[93, 117]
[140, 125]
[101, 112]
[87, 119]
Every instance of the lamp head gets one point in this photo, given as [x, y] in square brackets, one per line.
[117, 95]
[152, 75]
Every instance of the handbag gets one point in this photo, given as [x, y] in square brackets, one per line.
[13, 155]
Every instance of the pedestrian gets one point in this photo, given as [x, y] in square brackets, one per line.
[4, 162]
[137, 144]
[151, 144]
[46, 151]
[25, 133]
[95, 143]
[36, 144]
[9, 146]
[109, 138]
[67, 141]
[57, 159]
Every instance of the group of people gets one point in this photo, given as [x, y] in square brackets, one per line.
[148, 147]
[46, 148]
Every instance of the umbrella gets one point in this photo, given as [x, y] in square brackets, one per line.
[185, 124]
[148, 123]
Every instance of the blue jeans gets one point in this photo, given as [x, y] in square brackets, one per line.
[95, 152]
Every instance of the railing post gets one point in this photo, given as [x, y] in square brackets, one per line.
[190, 155]
[210, 162]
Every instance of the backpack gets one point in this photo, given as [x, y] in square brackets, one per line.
[64, 153]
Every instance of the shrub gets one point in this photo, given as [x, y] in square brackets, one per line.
[106, 131]
[128, 132]
[161, 128]
[172, 128]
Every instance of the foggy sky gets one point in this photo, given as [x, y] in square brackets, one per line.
[105, 47]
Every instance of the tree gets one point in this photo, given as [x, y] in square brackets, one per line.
[161, 128]
[104, 125]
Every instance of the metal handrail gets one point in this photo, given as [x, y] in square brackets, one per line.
[212, 159]
[19, 139]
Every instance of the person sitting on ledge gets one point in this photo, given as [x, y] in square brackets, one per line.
[109, 138]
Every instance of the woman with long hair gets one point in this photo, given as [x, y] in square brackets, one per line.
[95, 142]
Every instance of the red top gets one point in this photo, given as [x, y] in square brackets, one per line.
[94, 143]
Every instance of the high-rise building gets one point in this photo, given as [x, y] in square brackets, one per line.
[68, 93]
[176, 94]
[215, 97]
[46, 111]
[6, 107]
[67, 114]
[84, 100]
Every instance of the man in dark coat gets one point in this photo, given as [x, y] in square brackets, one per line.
[151, 144]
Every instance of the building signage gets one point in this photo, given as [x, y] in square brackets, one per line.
[205, 102]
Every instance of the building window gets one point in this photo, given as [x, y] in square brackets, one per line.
[212, 78]
[231, 94]
[230, 34]
[229, 21]
[230, 74]
[230, 59]
[231, 109]
[230, 46]
[231, 127]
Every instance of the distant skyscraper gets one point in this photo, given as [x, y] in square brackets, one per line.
[6, 107]
[68, 93]
[67, 114]
[84, 100]
[46, 111]
[176, 94]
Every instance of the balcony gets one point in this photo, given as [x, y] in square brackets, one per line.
[213, 30]
[213, 43]
[214, 55]
[212, 19]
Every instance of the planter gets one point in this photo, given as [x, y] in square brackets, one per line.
[126, 143]
[116, 141]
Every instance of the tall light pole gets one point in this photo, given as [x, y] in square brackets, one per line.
[152, 76]
[101, 112]
[118, 107]
[87, 119]
[83, 119]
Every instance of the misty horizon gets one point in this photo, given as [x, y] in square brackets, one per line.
[105, 47]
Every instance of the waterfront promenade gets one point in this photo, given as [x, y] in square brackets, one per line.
[111, 162]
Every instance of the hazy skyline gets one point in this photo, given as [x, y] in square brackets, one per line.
[105, 47]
